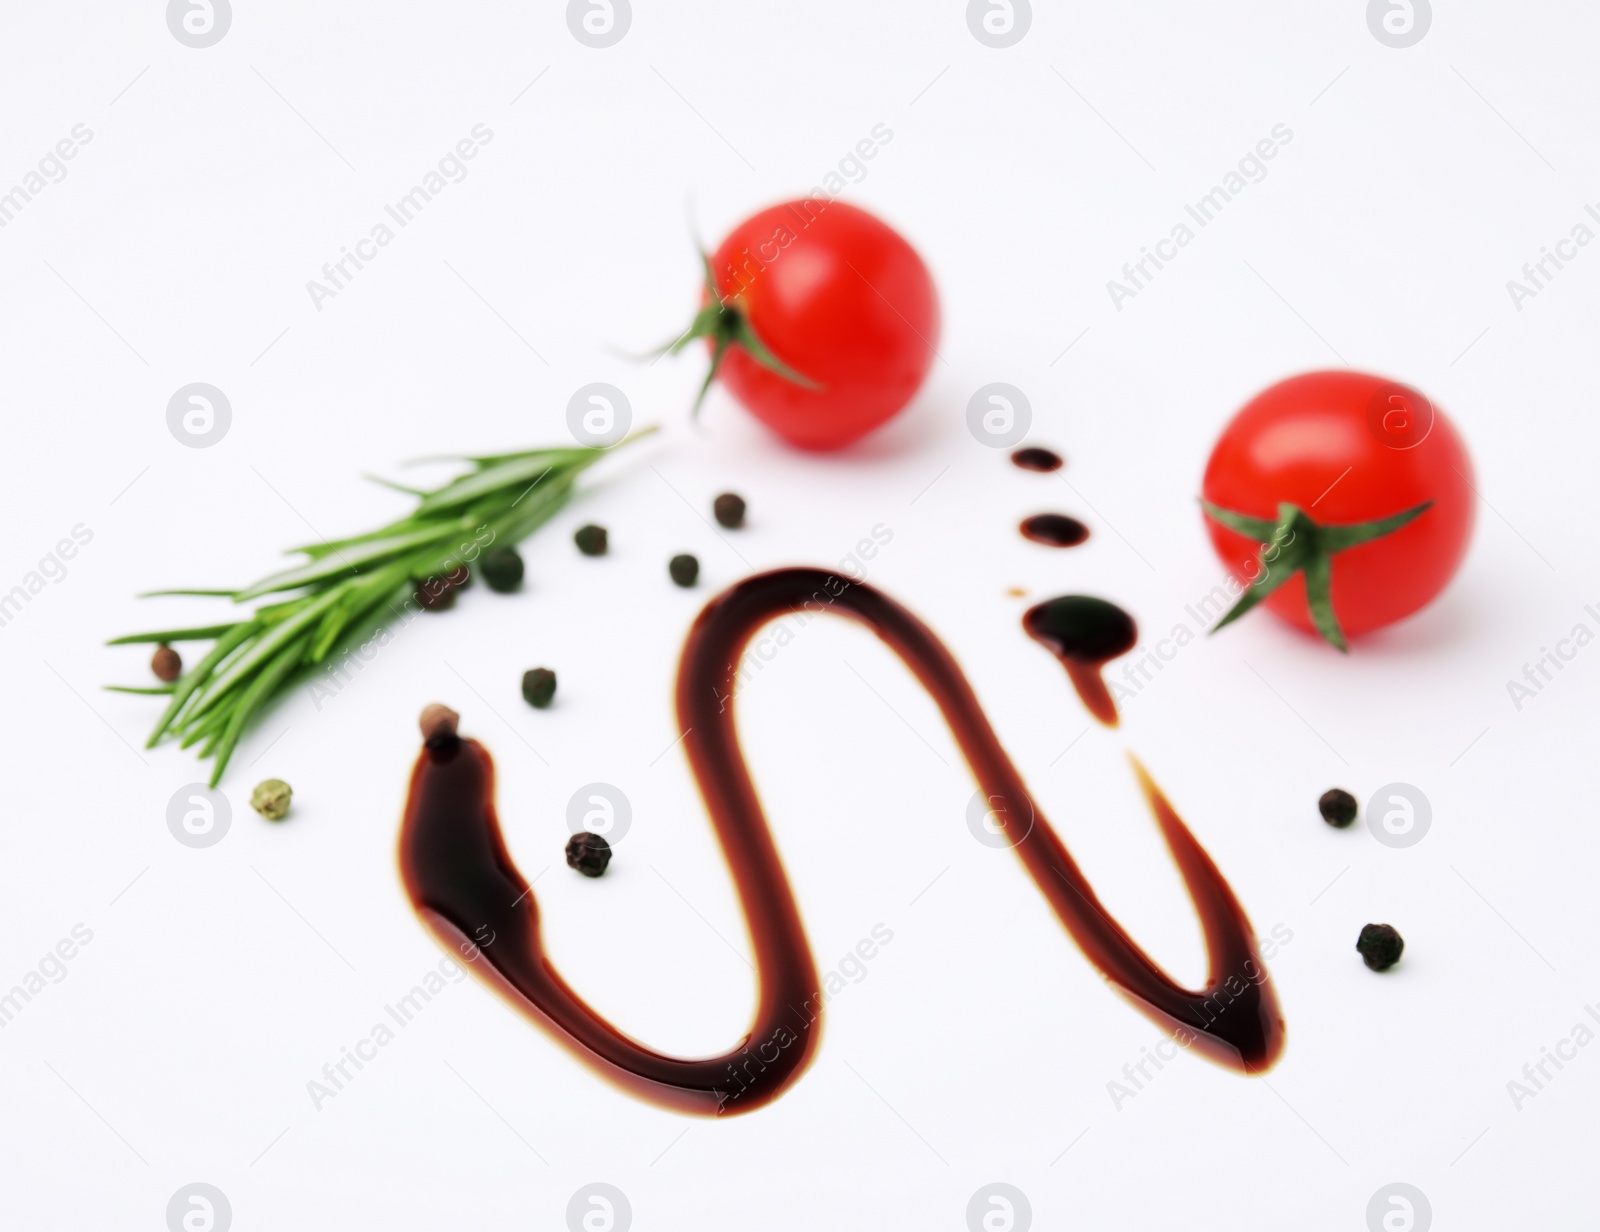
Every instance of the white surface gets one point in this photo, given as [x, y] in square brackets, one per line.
[979, 1045]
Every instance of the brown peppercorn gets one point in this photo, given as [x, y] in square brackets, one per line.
[729, 509]
[438, 723]
[591, 540]
[684, 569]
[588, 853]
[166, 663]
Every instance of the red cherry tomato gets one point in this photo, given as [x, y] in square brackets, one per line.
[840, 299]
[1346, 448]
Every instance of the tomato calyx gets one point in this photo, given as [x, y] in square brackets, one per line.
[725, 321]
[1295, 543]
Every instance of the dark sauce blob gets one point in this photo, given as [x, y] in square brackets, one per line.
[468, 891]
[1085, 633]
[1034, 458]
[1054, 530]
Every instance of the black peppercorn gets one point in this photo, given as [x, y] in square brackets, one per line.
[591, 540]
[685, 569]
[538, 687]
[1380, 946]
[434, 594]
[166, 663]
[588, 853]
[728, 509]
[502, 569]
[1337, 806]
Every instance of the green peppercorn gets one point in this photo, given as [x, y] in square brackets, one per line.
[729, 510]
[1337, 806]
[685, 569]
[502, 569]
[271, 799]
[539, 687]
[1380, 946]
[588, 853]
[166, 663]
[591, 540]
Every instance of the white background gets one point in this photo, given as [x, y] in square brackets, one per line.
[980, 1044]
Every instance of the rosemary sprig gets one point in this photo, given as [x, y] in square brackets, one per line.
[347, 586]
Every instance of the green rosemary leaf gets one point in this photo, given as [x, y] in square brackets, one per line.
[377, 611]
[213, 724]
[403, 526]
[209, 594]
[357, 602]
[520, 522]
[254, 697]
[203, 634]
[272, 613]
[495, 459]
[510, 526]
[395, 487]
[333, 624]
[270, 644]
[489, 479]
[345, 563]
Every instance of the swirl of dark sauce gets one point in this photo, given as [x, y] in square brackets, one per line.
[465, 887]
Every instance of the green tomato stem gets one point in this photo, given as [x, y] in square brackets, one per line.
[1295, 543]
[726, 321]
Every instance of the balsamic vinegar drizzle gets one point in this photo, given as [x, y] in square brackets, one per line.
[465, 887]
[1085, 633]
[1036, 458]
[1054, 530]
